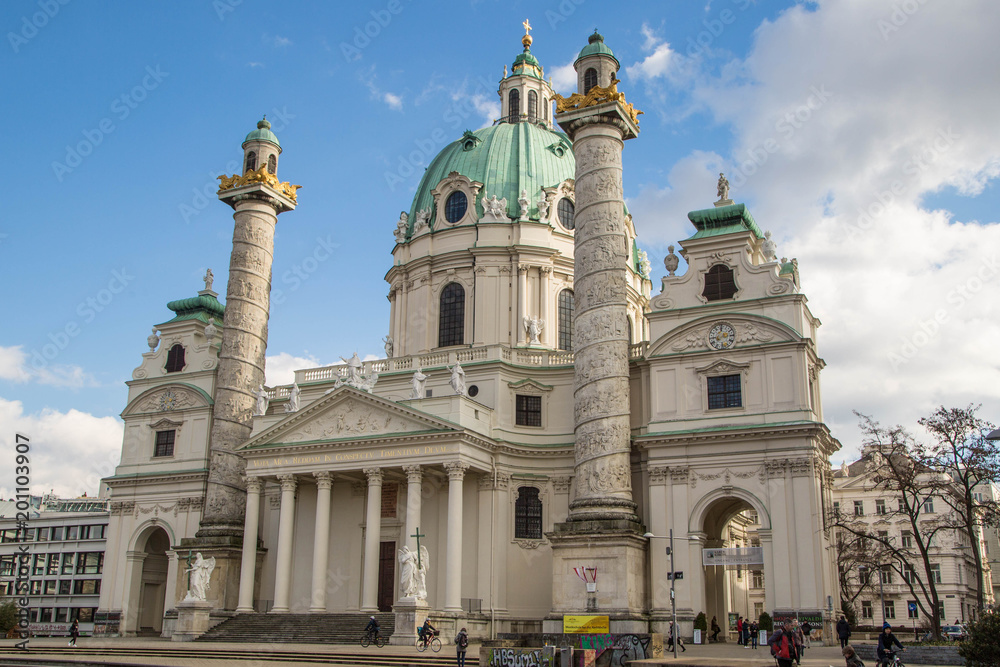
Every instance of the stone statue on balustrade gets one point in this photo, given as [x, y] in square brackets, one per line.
[199, 577]
[294, 399]
[260, 407]
[418, 382]
[457, 378]
[534, 327]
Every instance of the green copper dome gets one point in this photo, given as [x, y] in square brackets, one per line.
[527, 64]
[203, 307]
[506, 158]
[597, 46]
[263, 133]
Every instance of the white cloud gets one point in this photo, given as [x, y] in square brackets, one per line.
[563, 79]
[280, 368]
[660, 61]
[839, 131]
[69, 451]
[15, 366]
[280, 41]
[394, 101]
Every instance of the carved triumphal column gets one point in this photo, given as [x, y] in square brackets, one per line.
[257, 198]
[602, 527]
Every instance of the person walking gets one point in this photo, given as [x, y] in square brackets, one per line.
[739, 630]
[806, 629]
[74, 632]
[675, 636]
[843, 631]
[799, 640]
[715, 630]
[461, 644]
[782, 644]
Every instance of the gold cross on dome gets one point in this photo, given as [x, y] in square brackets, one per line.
[527, 26]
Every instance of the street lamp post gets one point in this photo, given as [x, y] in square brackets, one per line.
[676, 635]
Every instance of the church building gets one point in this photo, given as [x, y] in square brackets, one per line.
[542, 421]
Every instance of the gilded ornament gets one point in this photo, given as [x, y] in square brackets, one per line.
[595, 96]
[259, 176]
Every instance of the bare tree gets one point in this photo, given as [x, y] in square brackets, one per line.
[894, 470]
[961, 451]
[857, 554]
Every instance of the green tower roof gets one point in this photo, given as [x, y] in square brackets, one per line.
[263, 133]
[595, 47]
[506, 158]
[723, 220]
[526, 64]
[203, 307]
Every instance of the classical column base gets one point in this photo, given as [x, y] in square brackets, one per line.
[193, 620]
[617, 548]
[224, 586]
[410, 615]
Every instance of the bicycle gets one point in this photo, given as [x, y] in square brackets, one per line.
[434, 642]
[892, 660]
[367, 639]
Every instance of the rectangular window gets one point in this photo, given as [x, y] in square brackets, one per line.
[725, 391]
[85, 532]
[67, 564]
[45, 615]
[53, 567]
[859, 508]
[6, 588]
[51, 586]
[758, 580]
[936, 572]
[529, 410]
[836, 507]
[909, 575]
[866, 609]
[929, 506]
[758, 609]
[35, 588]
[89, 563]
[890, 609]
[941, 609]
[7, 566]
[906, 539]
[57, 533]
[43, 534]
[72, 532]
[99, 532]
[39, 564]
[879, 506]
[164, 443]
[886, 571]
[65, 587]
[87, 587]
[912, 611]
[62, 615]
[86, 614]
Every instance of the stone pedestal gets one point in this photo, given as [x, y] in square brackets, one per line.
[410, 615]
[192, 620]
[224, 584]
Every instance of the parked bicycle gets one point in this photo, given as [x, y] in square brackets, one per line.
[432, 641]
[372, 638]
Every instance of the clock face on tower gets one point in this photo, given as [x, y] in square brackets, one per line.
[722, 336]
[168, 400]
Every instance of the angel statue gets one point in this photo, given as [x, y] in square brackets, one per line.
[422, 573]
[387, 340]
[534, 328]
[261, 405]
[407, 572]
[201, 573]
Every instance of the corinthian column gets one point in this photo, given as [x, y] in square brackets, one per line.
[373, 532]
[321, 541]
[283, 561]
[453, 581]
[248, 562]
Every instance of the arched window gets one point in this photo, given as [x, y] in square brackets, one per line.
[451, 321]
[566, 307]
[272, 164]
[589, 79]
[175, 359]
[567, 213]
[528, 514]
[251, 163]
[514, 103]
[532, 105]
[719, 283]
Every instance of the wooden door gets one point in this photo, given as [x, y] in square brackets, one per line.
[386, 575]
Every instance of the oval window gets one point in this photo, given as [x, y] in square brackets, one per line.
[566, 213]
[455, 207]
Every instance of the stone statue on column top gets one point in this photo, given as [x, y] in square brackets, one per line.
[209, 277]
[723, 187]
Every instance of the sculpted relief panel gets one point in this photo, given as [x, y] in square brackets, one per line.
[352, 419]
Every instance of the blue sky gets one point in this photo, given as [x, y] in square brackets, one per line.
[863, 134]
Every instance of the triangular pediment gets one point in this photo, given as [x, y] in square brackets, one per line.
[347, 414]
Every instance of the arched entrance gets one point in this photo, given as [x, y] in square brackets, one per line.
[732, 522]
[146, 577]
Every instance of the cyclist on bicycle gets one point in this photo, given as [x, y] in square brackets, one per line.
[886, 640]
[426, 631]
[372, 628]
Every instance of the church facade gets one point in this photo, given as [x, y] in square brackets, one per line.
[463, 443]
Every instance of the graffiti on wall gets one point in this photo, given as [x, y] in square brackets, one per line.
[518, 657]
[616, 650]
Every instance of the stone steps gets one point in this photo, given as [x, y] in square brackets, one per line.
[297, 628]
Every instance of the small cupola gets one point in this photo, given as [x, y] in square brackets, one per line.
[261, 148]
[596, 65]
[525, 97]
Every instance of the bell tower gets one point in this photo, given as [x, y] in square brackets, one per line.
[257, 198]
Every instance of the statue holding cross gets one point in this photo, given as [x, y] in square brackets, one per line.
[413, 569]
